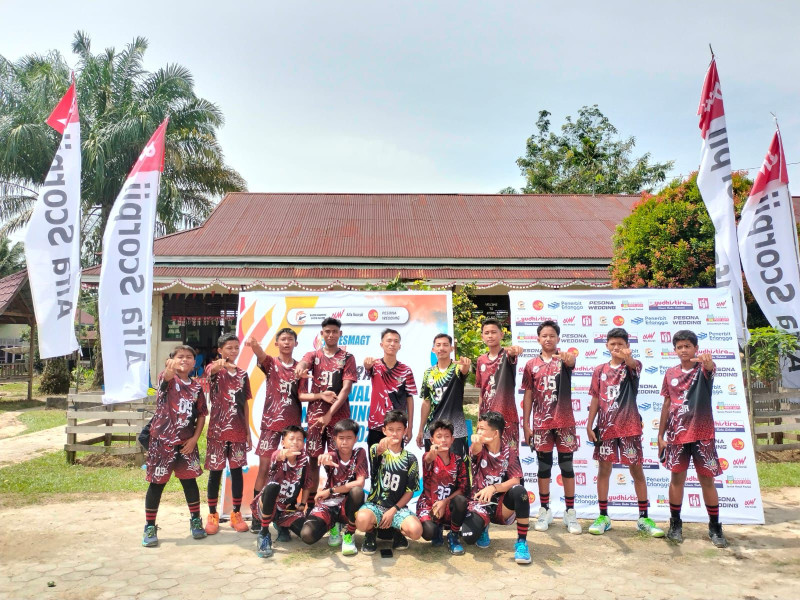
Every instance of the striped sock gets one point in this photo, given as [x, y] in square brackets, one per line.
[713, 513]
[194, 509]
[150, 515]
[643, 504]
[675, 511]
[569, 501]
[603, 507]
[212, 505]
[544, 500]
[522, 531]
[454, 528]
[237, 504]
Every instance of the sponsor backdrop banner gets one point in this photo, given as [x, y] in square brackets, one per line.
[650, 317]
[417, 315]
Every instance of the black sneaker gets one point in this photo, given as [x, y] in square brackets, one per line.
[399, 541]
[675, 533]
[284, 535]
[370, 545]
[716, 535]
[255, 525]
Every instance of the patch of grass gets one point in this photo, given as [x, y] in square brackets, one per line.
[779, 474]
[16, 404]
[37, 420]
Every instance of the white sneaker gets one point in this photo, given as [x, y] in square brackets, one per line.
[543, 520]
[571, 522]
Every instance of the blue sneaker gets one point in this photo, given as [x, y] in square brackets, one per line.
[264, 545]
[150, 538]
[438, 540]
[454, 545]
[196, 526]
[522, 555]
[483, 541]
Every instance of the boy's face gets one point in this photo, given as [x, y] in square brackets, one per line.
[491, 335]
[486, 431]
[615, 344]
[230, 350]
[685, 350]
[331, 335]
[442, 348]
[185, 361]
[293, 441]
[548, 338]
[395, 432]
[345, 441]
[286, 343]
[443, 438]
[390, 344]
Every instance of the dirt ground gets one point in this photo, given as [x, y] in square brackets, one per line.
[90, 549]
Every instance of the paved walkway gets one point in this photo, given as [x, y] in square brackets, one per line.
[90, 550]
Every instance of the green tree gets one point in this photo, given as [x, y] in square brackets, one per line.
[55, 377]
[587, 157]
[12, 258]
[768, 349]
[120, 104]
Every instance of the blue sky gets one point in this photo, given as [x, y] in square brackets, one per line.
[367, 96]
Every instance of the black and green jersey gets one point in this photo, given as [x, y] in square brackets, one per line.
[392, 476]
[444, 389]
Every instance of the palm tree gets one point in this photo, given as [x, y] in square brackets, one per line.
[120, 104]
[12, 258]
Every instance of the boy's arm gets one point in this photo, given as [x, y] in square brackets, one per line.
[256, 348]
[347, 385]
[410, 413]
[424, 410]
[593, 406]
[662, 424]
[527, 405]
[190, 444]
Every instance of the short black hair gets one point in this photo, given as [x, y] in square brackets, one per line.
[395, 416]
[286, 330]
[494, 419]
[617, 332]
[346, 425]
[441, 424]
[182, 347]
[491, 321]
[292, 429]
[684, 335]
[442, 335]
[225, 338]
[549, 323]
[331, 321]
[388, 331]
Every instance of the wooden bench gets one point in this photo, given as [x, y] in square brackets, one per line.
[106, 423]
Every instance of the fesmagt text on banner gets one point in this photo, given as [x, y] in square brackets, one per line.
[650, 317]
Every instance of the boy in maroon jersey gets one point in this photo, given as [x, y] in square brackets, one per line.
[619, 428]
[331, 369]
[228, 437]
[281, 406]
[547, 381]
[283, 496]
[444, 487]
[498, 495]
[495, 374]
[346, 469]
[393, 387]
[686, 431]
[174, 430]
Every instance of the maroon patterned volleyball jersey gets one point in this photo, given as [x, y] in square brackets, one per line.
[616, 388]
[496, 381]
[292, 477]
[344, 473]
[281, 403]
[390, 390]
[689, 396]
[440, 480]
[330, 373]
[229, 393]
[491, 469]
[550, 383]
[178, 405]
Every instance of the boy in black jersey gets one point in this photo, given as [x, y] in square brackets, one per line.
[394, 476]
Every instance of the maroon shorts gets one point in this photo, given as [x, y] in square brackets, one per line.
[319, 440]
[217, 453]
[425, 512]
[624, 450]
[285, 518]
[491, 513]
[268, 442]
[163, 460]
[702, 452]
[563, 440]
[329, 514]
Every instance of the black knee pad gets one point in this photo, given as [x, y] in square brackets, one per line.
[545, 464]
[565, 464]
[428, 530]
[517, 499]
[313, 530]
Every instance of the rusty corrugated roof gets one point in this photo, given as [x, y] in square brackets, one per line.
[10, 285]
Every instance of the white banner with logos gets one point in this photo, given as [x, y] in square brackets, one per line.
[417, 315]
[650, 317]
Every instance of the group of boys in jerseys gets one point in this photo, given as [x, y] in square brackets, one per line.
[286, 490]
